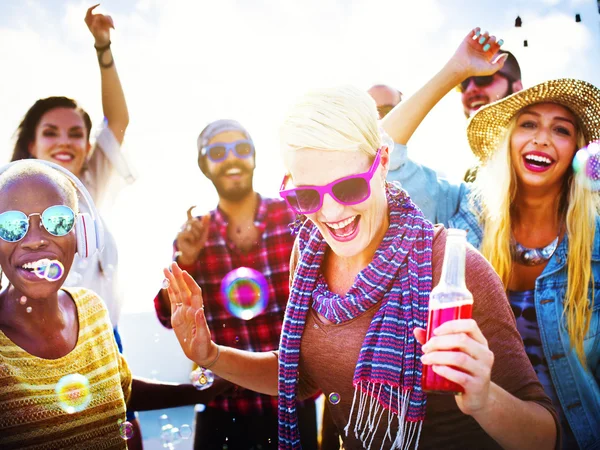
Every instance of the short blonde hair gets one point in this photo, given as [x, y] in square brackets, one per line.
[335, 119]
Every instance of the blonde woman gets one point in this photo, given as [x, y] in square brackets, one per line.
[536, 221]
[362, 270]
[537, 224]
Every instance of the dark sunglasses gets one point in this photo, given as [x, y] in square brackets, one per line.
[347, 191]
[481, 81]
[218, 151]
[383, 110]
[58, 220]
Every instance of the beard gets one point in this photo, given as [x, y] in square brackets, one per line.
[238, 191]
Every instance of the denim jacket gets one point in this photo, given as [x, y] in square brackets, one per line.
[577, 387]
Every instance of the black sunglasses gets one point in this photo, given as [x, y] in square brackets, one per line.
[481, 81]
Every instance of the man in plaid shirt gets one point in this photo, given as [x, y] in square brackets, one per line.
[245, 230]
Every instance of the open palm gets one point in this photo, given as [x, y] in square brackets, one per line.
[187, 318]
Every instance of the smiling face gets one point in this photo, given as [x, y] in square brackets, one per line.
[474, 97]
[34, 194]
[231, 177]
[543, 145]
[61, 137]
[349, 230]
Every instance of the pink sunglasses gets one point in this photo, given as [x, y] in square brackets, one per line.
[347, 191]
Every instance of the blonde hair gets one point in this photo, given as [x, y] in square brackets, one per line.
[496, 189]
[334, 119]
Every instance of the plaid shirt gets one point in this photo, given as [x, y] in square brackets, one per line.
[271, 257]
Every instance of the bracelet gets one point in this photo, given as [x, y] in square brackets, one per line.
[103, 48]
[208, 366]
[101, 51]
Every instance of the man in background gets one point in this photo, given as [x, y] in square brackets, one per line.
[436, 196]
[245, 230]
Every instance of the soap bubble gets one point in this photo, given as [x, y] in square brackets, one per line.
[334, 398]
[202, 378]
[186, 431]
[245, 292]
[126, 430]
[73, 392]
[166, 283]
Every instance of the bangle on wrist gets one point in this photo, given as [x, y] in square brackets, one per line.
[103, 48]
[100, 51]
[212, 363]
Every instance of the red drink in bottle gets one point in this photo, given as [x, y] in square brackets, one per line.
[449, 300]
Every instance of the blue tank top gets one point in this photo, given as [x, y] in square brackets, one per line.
[523, 306]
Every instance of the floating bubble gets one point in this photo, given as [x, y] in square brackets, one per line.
[175, 436]
[23, 300]
[156, 337]
[166, 436]
[73, 392]
[166, 283]
[186, 431]
[126, 430]
[334, 398]
[51, 270]
[587, 161]
[245, 292]
[237, 339]
[202, 378]
[29, 309]
[163, 420]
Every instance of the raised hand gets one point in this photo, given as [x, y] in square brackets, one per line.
[99, 25]
[187, 316]
[476, 54]
[192, 237]
[459, 352]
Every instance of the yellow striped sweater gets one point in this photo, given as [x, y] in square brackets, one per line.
[31, 416]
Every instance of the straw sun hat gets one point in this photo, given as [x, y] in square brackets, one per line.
[487, 126]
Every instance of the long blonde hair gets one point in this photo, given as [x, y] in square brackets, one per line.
[496, 189]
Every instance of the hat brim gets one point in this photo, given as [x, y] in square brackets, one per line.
[488, 125]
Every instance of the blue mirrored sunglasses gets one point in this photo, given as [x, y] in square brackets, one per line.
[218, 151]
[58, 220]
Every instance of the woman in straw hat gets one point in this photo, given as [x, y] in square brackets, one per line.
[363, 266]
[536, 220]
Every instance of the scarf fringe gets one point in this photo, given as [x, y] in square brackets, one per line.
[370, 412]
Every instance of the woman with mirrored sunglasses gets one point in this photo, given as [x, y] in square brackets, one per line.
[362, 269]
[57, 129]
[63, 383]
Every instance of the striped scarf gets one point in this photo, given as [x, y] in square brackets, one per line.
[388, 372]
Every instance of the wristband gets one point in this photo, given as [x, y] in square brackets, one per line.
[100, 52]
[214, 360]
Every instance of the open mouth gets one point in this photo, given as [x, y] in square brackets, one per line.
[477, 102]
[63, 157]
[344, 230]
[537, 162]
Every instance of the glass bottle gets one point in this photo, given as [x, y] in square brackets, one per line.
[449, 300]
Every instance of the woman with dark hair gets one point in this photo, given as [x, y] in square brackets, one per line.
[57, 129]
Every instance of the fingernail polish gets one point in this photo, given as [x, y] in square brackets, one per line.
[500, 42]
[477, 33]
[482, 39]
[486, 47]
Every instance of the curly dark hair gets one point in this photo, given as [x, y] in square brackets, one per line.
[26, 131]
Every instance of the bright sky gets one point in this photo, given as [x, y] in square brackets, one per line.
[184, 63]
